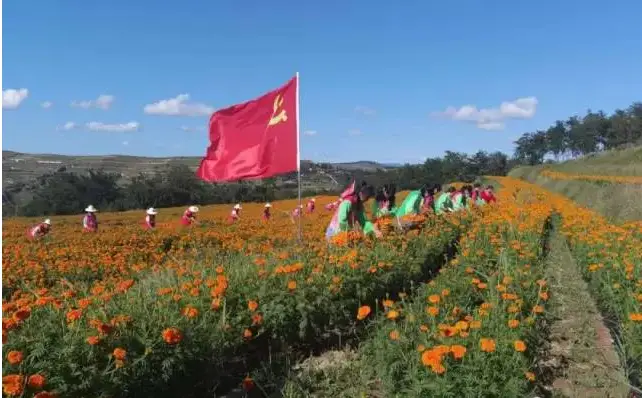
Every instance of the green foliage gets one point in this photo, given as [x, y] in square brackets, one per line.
[577, 136]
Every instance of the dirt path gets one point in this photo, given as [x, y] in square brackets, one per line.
[581, 361]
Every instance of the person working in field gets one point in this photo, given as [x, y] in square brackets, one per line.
[235, 215]
[350, 213]
[310, 206]
[40, 230]
[384, 202]
[333, 205]
[189, 216]
[476, 194]
[488, 194]
[412, 204]
[150, 218]
[266, 212]
[297, 211]
[443, 203]
[89, 221]
[428, 205]
[459, 198]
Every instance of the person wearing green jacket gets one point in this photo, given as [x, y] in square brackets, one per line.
[412, 203]
[351, 212]
[443, 203]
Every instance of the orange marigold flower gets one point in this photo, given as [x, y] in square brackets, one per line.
[216, 304]
[292, 285]
[22, 314]
[172, 336]
[487, 345]
[93, 340]
[257, 319]
[388, 303]
[36, 381]
[392, 314]
[14, 357]
[120, 353]
[513, 323]
[190, 312]
[461, 325]
[434, 311]
[635, 317]
[458, 351]
[363, 312]
[252, 305]
[520, 346]
[13, 384]
[394, 335]
[434, 298]
[73, 315]
[538, 309]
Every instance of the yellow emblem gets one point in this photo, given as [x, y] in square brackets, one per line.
[278, 117]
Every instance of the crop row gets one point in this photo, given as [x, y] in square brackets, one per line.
[472, 330]
[610, 259]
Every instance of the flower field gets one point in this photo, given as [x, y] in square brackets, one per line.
[192, 311]
[125, 311]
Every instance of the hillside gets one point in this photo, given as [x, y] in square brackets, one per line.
[616, 200]
[20, 168]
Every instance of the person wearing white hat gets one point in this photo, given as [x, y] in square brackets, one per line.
[297, 211]
[235, 215]
[189, 216]
[310, 206]
[40, 230]
[150, 218]
[266, 212]
[89, 221]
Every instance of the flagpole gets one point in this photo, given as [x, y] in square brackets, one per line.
[298, 156]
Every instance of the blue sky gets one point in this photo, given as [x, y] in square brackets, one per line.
[377, 78]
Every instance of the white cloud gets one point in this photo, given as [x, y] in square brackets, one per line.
[493, 118]
[113, 128]
[125, 143]
[46, 104]
[364, 110]
[68, 126]
[310, 132]
[12, 98]
[103, 102]
[178, 106]
[192, 129]
[355, 132]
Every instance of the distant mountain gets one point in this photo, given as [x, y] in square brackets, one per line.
[19, 168]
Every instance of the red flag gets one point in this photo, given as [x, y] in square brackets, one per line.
[256, 139]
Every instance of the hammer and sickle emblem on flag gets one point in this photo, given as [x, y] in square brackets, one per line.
[278, 117]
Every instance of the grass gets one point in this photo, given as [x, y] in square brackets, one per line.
[627, 162]
[617, 202]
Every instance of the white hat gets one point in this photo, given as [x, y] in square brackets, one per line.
[47, 221]
[237, 206]
[193, 209]
[151, 211]
[91, 209]
[268, 205]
